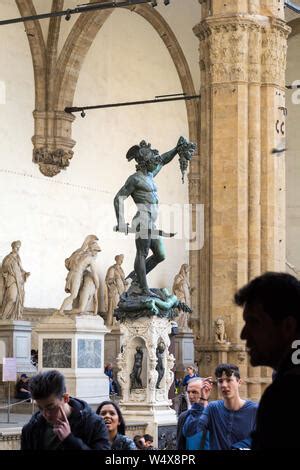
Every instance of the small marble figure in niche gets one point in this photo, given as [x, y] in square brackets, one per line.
[135, 376]
[160, 364]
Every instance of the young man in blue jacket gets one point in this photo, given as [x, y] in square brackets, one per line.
[229, 421]
[62, 422]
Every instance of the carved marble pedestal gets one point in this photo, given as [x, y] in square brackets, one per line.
[75, 346]
[148, 404]
[184, 351]
[112, 345]
[15, 341]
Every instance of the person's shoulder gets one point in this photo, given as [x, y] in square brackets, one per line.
[251, 404]
[182, 416]
[215, 405]
[123, 442]
[35, 420]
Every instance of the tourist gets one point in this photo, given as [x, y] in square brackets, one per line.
[115, 425]
[148, 441]
[139, 442]
[191, 374]
[22, 391]
[62, 422]
[229, 421]
[271, 305]
[197, 391]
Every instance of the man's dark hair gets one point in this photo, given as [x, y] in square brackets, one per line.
[148, 437]
[277, 293]
[228, 369]
[137, 440]
[121, 425]
[47, 383]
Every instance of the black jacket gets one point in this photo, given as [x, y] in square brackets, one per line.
[181, 442]
[88, 430]
[278, 414]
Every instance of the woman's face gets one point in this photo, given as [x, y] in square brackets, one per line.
[111, 418]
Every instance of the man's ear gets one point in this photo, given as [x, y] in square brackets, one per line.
[66, 397]
[289, 327]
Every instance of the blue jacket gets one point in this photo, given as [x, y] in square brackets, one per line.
[225, 427]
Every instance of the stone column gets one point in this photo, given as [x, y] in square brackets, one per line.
[242, 64]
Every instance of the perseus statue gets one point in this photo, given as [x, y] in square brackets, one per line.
[143, 190]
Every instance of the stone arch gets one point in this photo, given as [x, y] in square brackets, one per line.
[80, 39]
[38, 51]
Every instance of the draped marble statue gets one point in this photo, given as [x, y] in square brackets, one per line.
[82, 282]
[115, 285]
[183, 290]
[14, 278]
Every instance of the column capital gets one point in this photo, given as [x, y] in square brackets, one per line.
[243, 48]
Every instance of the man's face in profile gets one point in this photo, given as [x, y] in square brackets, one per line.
[264, 337]
[194, 391]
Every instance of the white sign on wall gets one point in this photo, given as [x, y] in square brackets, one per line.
[9, 373]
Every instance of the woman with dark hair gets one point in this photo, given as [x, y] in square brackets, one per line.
[115, 425]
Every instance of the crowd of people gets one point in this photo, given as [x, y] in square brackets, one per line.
[271, 312]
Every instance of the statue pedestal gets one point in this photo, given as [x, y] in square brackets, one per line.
[112, 345]
[148, 405]
[75, 346]
[15, 341]
[184, 351]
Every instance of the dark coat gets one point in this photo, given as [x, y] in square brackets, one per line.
[88, 430]
[181, 443]
[278, 415]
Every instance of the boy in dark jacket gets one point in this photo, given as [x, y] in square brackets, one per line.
[63, 423]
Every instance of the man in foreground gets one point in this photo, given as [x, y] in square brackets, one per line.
[271, 305]
[62, 422]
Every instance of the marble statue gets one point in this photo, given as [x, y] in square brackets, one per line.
[143, 190]
[82, 282]
[220, 333]
[14, 278]
[160, 364]
[115, 285]
[182, 290]
[135, 376]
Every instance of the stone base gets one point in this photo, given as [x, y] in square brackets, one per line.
[147, 404]
[184, 351]
[112, 346]
[75, 346]
[161, 422]
[15, 341]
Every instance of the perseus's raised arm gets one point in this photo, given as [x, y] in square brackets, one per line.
[166, 158]
[120, 197]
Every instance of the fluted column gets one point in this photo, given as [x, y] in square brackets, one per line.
[242, 64]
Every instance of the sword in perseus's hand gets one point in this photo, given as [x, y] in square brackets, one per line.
[151, 231]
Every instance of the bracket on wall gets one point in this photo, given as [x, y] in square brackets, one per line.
[158, 99]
